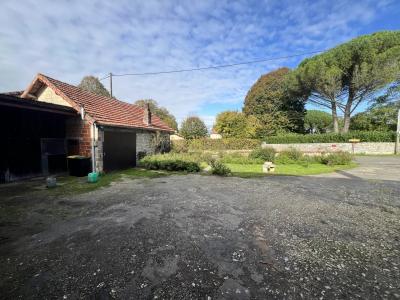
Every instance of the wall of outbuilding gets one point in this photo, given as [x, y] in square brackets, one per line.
[80, 130]
[145, 142]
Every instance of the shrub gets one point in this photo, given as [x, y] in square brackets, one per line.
[170, 163]
[141, 154]
[264, 154]
[179, 146]
[237, 158]
[290, 156]
[217, 145]
[218, 168]
[337, 158]
[363, 136]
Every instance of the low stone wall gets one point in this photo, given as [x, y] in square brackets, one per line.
[318, 148]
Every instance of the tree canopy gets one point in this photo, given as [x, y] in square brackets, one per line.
[349, 74]
[274, 105]
[159, 111]
[92, 84]
[381, 117]
[317, 121]
[236, 124]
[192, 128]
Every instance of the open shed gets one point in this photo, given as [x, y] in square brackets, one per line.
[33, 138]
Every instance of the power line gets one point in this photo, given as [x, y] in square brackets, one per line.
[213, 67]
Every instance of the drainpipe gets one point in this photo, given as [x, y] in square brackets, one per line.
[94, 147]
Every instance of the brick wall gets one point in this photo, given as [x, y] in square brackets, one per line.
[78, 129]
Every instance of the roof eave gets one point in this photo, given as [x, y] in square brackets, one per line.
[105, 124]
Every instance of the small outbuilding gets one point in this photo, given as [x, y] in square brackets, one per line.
[51, 120]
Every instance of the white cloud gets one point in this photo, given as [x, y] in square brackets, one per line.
[70, 39]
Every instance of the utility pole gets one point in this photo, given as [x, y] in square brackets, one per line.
[111, 84]
[396, 149]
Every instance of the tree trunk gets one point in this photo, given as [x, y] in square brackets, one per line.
[346, 124]
[347, 112]
[335, 118]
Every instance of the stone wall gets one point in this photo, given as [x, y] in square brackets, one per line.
[99, 139]
[317, 148]
[144, 142]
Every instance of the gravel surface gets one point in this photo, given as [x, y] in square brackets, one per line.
[205, 237]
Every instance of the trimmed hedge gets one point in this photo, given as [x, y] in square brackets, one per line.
[170, 163]
[363, 136]
[215, 145]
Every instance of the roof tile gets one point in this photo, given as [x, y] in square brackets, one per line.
[105, 110]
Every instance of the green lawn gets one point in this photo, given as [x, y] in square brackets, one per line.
[289, 169]
[70, 185]
[77, 185]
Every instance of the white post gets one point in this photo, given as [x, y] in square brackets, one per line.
[94, 147]
[396, 149]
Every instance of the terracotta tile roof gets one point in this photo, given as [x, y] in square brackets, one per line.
[104, 110]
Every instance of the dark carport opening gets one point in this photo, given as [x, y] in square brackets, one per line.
[33, 138]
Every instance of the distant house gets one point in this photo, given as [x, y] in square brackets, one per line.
[51, 119]
[176, 137]
[215, 135]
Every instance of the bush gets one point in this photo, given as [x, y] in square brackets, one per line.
[363, 136]
[216, 145]
[290, 156]
[237, 158]
[337, 158]
[170, 163]
[218, 168]
[264, 154]
[179, 146]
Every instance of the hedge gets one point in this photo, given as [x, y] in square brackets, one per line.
[215, 145]
[363, 136]
[170, 163]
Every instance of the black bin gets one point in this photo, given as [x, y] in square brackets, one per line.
[78, 165]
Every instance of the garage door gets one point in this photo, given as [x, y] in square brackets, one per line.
[119, 150]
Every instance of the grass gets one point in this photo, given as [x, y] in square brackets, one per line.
[78, 185]
[69, 185]
[251, 170]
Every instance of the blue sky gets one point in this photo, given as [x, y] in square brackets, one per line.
[70, 39]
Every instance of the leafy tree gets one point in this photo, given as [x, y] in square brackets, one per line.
[380, 117]
[192, 128]
[317, 121]
[159, 111]
[92, 84]
[236, 124]
[274, 105]
[349, 74]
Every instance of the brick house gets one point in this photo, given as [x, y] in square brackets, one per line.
[112, 133]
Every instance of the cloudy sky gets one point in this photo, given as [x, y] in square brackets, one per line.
[69, 39]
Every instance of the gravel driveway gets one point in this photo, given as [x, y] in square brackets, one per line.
[206, 237]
